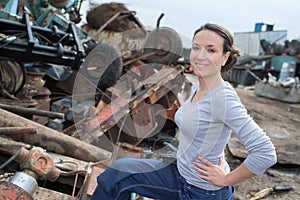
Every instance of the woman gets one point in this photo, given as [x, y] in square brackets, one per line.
[205, 121]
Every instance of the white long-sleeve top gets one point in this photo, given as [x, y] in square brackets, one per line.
[205, 128]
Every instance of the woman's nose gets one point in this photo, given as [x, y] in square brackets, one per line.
[201, 53]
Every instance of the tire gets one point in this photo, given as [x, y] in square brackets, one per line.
[167, 43]
[12, 76]
[102, 66]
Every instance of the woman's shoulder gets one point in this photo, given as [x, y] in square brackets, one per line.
[224, 88]
[225, 94]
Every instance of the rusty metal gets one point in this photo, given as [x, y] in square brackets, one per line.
[38, 161]
[12, 77]
[12, 192]
[149, 92]
[35, 160]
[128, 150]
[17, 130]
[92, 184]
[10, 146]
[44, 193]
[130, 15]
[106, 23]
[32, 111]
[53, 140]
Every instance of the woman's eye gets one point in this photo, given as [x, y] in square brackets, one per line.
[195, 48]
[211, 50]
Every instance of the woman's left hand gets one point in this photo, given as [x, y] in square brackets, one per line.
[210, 172]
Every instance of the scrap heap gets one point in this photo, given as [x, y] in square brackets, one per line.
[71, 104]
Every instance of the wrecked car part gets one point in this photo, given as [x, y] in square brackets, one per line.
[12, 191]
[12, 77]
[33, 43]
[137, 103]
[53, 140]
[24, 181]
[166, 43]
[37, 163]
[102, 66]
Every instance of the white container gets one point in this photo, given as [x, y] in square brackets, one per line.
[284, 72]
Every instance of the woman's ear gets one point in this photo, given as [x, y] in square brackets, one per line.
[226, 56]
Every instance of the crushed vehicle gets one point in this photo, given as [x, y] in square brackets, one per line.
[72, 103]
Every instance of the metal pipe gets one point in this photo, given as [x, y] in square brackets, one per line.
[17, 130]
[32, 111]
[158, 20]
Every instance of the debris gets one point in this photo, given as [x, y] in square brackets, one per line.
[31, 111]
[265, 192]
[286, 91]
[101, 14]
[53, 140]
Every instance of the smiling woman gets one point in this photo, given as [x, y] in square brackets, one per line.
[205, 121]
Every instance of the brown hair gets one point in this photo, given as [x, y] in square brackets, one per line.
[227, 46]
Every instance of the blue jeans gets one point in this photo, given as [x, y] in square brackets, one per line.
[150, 178]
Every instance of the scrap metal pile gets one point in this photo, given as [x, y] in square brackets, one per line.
[72, 101]
[274, 74]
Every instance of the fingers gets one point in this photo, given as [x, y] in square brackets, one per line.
[203, 168]
[209, 171]
[200, 169]
[205, 161]
[207, 167]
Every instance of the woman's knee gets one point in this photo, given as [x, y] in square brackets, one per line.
[125, 164]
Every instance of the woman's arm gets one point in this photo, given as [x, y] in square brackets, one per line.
[261, 151]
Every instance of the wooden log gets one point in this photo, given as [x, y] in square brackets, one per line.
[53, 140]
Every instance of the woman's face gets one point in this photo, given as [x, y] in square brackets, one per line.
[207, 55]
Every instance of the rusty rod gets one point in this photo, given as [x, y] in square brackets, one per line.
[9, 146]
[53, 140]
[32, 111]
[17, 130]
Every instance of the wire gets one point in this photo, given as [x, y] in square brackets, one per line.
[71, 173]
[10, 159]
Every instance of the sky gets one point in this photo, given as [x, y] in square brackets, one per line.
[185, 16]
